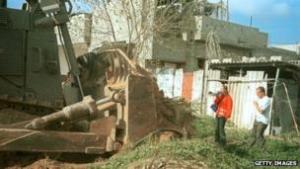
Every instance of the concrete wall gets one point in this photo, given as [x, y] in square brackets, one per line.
[79, 29]
[123, 29]
[235, 40]
[174, 49]
[230, 33]
[101, 29]
[80, 32]
[80, 49]
[170, 49]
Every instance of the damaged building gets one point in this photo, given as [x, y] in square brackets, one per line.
[180, 52]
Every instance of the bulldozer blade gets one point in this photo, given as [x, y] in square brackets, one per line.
[140, 115]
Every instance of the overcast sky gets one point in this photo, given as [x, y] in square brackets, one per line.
[279, 18]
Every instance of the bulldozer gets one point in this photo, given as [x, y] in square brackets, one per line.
[106, 103]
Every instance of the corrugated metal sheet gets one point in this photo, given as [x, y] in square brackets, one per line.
[197, 86]
[243, 95]
[178, 81]
[165, 80]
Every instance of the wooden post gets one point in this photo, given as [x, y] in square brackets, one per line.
[273, 100]
[204, 87]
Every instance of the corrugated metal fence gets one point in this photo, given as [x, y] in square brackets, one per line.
[243, 95]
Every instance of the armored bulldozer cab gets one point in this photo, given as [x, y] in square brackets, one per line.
[29, 59]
